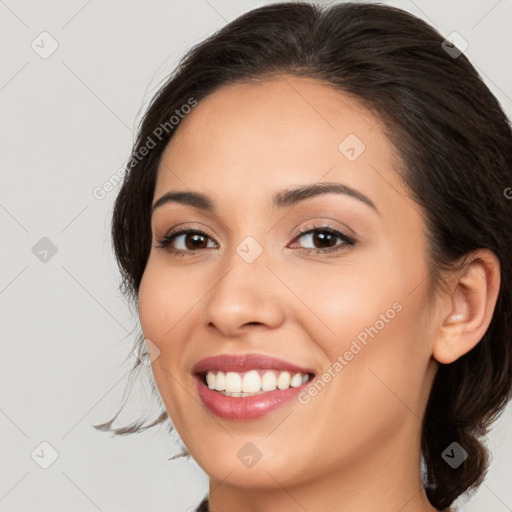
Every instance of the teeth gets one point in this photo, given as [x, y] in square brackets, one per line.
[219, 381]
[233, 382]
[210, 380]
[283, 381]
[296, 380]
[268, 381]
[253, 382]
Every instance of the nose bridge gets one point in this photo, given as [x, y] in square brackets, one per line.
[244, 293]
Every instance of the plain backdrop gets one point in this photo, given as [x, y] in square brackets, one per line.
[74, 79]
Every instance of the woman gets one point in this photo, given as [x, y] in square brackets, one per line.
[315, 229]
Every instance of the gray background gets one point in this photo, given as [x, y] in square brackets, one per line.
[67, 124]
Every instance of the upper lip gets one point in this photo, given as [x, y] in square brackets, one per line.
[245, 362]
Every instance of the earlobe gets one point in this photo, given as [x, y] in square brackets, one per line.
[469, 309]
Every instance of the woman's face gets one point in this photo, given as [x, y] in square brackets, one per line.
[264, 277]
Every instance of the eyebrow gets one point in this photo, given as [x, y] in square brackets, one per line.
[281, 199]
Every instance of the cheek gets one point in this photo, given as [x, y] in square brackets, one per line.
[345, 300]
[376, 318]
[152, 311]
[165, 300]
[165, 297]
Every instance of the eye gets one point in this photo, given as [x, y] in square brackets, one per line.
[185, 241]
[321, 239]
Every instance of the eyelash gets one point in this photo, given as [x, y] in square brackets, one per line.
[348, 242]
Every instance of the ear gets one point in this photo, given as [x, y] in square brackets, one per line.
[467, 311]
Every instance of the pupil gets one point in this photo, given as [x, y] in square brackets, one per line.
[322, 236]
[196, 244]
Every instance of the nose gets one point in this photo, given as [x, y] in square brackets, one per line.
[245, 295]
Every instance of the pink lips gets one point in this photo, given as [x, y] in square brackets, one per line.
[242, 363]
[248, 407]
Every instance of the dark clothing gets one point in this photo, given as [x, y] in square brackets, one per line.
[203, 506]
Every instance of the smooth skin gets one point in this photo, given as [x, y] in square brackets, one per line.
[356, 445]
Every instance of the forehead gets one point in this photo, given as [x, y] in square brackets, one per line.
[258, 137]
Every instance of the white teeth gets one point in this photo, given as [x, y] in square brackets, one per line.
[268, 381]
[210, 380]
[253, 382]
[296, 380]
[220, 381]
[233, 382]
[283, 381]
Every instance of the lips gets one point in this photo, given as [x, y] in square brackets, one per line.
[246, 362]
[245, 407]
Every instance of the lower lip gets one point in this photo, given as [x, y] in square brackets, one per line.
[245, 407]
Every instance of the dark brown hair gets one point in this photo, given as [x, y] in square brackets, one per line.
[455, 146]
